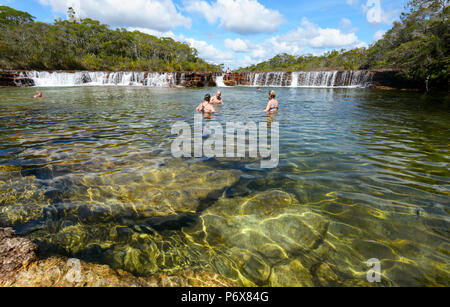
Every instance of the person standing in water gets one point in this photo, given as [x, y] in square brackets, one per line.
[206, 106]
[272, 106]
[218, 98]
[228, 74]
[170, 81]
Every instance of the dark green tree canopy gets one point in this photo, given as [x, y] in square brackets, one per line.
[10, 16]
[88, 45]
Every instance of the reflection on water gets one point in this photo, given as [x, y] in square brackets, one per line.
[363, 174]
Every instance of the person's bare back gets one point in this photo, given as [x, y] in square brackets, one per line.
[206, 106]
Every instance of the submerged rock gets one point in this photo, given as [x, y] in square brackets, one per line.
[177, 188]
[259, 234]
[63, 272]
[21, 267]
[15, 253]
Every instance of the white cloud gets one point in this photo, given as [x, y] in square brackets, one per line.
[237, 45]
[345, 23]
[209, 52]
[378, 35]
[154, 32]
[205, 51]
[313, 36]
[160, 15]
[352, 2]
[307, 38]
[239, 16]
[375, 13]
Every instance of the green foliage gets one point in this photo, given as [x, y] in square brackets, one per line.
[348, 60]
[12, 17]
[418, 45]
[89, 45]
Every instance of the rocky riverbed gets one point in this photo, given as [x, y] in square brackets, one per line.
[20, 266]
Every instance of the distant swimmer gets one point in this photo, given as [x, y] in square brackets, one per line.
[218, 98]
[206, 106]
[38, 95]
[170, 81]
[272, 106]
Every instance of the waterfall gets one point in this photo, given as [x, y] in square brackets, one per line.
[320, 79]
[294, 79]
[325, 79]
[256, 79]
[85, 78]
[182, 78]
[219, 81]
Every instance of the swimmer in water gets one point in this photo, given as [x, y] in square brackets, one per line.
[272, 106]
[206, 106]
[38, 95]
[218, 98]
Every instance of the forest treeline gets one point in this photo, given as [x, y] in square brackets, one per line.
[418, 45]
[88, 45]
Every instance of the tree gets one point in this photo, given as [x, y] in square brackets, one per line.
[12, 17]
[71, 14]
[89, 45]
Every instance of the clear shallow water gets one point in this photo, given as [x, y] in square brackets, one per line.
[87, 172]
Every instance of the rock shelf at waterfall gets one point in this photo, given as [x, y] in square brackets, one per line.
[299, 79]
[326, 79]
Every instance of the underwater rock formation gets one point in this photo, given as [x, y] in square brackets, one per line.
[15, 253]
[173, 190]
[263, 236]
[62, 272]
[21, 267]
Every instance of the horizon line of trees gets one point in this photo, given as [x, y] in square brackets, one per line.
[87, 44]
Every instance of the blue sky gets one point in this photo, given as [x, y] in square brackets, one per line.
[238, 32]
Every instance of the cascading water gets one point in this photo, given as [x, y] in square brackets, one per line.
[319, 79]
[294, 79]
[53, 79]
[219, 81]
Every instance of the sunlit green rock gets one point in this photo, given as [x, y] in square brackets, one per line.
[259, 231]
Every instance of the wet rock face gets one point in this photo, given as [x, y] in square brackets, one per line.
[13, 78]
[229, 82]
[62, 272]
[15, 253]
